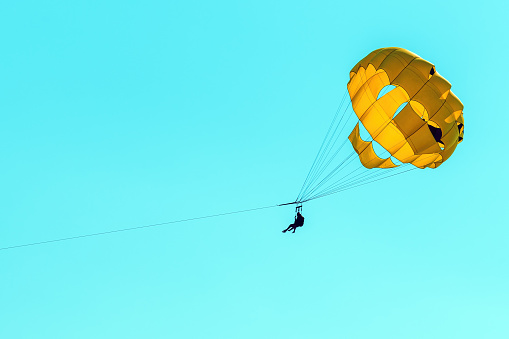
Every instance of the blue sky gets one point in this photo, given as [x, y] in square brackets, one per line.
[122, 114]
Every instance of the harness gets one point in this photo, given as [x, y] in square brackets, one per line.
[298, 208]
[299, 221]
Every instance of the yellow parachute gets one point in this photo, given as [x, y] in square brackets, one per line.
[405, 117]
[429, 127]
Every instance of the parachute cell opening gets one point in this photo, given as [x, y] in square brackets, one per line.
[435, 130]
[400, 108]
[385, 91]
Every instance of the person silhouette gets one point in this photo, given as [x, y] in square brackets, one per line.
[299, 222]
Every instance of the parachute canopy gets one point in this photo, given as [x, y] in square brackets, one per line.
[419, 121]
[402, 116]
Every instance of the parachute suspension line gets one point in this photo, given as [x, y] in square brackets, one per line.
[311, 170]
[331, 174]
[325, 151]
[365, 183]
[359, 176]
[383, 171]
[329, 147]
[325, 139]
[321, 167]
[345, 178]
[312, 190]
[342, 185]
[363, 179]
[324, 156]
[305, 191]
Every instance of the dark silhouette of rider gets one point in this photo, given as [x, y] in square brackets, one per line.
[299, 222]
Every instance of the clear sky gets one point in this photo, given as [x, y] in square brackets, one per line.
[119, 114]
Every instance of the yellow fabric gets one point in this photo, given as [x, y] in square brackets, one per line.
[406, 136]
[419, 109]
[366, 153]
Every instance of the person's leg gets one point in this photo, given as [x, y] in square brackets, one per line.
[289, 228]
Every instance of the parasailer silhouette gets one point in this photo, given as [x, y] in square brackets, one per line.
[299, 222]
